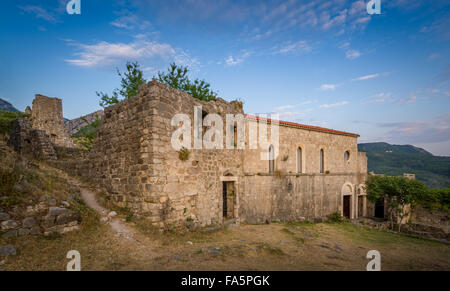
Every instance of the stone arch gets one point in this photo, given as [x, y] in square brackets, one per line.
[347, 200]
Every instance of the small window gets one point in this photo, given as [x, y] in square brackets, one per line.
[271, 160]
[346, 156]
[322, 162]
[299, 160]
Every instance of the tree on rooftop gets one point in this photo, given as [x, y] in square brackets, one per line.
[130, 82]
[177, 77]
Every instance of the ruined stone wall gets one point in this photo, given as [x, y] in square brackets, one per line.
[47, 115]
[33, 142]
[134, 160]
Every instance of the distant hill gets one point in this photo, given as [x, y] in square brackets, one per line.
[74, 125]
[5, 105]
[384, 158]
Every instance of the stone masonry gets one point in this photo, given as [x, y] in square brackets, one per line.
[46, 115]
[33, 142]
[133, 160]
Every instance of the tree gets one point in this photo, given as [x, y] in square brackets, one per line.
[400, 193]
[130, 82]
[177, 77]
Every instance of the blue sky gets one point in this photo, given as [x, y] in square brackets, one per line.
[325, 63]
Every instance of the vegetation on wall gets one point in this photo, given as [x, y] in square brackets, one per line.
[129, 85]
[177, 77]
[403, 194]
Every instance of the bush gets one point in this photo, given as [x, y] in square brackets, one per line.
[183, 154]
[335, 217]
[7, 119]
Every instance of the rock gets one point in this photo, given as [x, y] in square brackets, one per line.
[48, 221]
[104, 219]
[8, 250]
[11, 233]
[51, 201]
[67, 217]
[337, 248]
[9, 224]
[189, 243]
[35, 230]
[112, 214]
[57, 211]
[23, 231]
[324, 245]
[19, 188]
[65, 203]
[28, 222]
[4, 216]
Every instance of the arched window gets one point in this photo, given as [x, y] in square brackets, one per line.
[322, 163]
[271, 159]
[299, 160]
[346, 156]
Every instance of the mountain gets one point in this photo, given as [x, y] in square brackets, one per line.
[5, 105]
[74, 125]
[384, 158]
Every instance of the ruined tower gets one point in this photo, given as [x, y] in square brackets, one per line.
[46, 115]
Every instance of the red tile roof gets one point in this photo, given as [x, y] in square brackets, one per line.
[303, 126]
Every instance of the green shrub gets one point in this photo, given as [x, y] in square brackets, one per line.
[335, 217]
[183, 154]
[7, 118]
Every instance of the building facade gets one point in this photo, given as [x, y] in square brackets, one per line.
[315, 172]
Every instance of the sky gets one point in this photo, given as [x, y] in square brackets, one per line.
[325, 63]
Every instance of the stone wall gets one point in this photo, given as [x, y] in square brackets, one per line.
[39, 219]
[28, 141]
[134, 161]
[294, 197]
[47, 115]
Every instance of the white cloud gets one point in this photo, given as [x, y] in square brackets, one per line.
[338, 104]
[40, 13]
[233, 61]
[131, 21]
[105, 53]
[352, 54]
[284, 107]
[296, 47]
[367, 77]
[326, 87]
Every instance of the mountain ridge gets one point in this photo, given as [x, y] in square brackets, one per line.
[384, 158]
[5, 105]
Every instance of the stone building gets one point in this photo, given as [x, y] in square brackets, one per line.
[317, 172]
[47, 115]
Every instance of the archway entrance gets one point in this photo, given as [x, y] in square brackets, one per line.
[346, 207]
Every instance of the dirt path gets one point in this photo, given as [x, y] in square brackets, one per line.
[89, 197]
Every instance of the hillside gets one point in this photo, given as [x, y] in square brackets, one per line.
[74, 125]
[5, 105]
[384, 158]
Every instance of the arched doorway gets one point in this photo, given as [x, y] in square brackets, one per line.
[347, 201]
